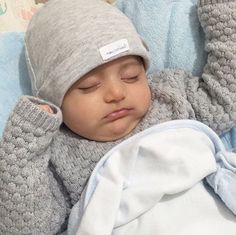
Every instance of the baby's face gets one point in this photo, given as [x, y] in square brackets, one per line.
[107, 103]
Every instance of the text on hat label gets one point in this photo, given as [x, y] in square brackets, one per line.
[114, 49]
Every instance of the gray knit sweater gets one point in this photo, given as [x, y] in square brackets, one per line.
[44, 166]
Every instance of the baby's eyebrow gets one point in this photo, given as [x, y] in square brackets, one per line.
[131, 63]
[89, 80]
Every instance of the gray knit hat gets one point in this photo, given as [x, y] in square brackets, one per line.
[68, 38]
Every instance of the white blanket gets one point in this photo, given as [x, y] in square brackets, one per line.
[152, 184]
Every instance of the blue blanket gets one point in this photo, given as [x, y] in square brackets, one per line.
[152, 175]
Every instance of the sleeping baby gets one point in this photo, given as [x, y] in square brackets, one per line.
[88, 66]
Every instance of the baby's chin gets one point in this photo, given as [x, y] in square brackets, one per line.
[116, 132]
[109, 131]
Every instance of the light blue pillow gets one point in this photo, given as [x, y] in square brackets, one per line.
[14, 79]
[171, 30]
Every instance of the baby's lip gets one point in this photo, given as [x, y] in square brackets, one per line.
[117, 114]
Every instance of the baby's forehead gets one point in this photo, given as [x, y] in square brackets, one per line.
[120, 64]
[131, 60]
[123, 62]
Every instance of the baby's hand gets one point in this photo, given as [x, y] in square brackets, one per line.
[45, 108]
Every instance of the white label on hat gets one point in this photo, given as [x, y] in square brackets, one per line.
[114, 49]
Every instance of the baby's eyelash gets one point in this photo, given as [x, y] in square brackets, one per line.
[130, 79]
[89, 88]
[85, 88]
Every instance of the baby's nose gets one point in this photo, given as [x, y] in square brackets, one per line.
[115, 92]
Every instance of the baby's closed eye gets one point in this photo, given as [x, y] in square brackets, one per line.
[130, 79]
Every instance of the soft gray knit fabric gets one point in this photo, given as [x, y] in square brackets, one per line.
[43, 169]
[65, 37]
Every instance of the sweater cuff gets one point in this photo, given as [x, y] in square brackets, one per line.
[211, 2]
[27, 109]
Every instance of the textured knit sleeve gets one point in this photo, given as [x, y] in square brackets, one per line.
[213, 97]
[31, 201]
